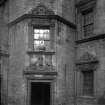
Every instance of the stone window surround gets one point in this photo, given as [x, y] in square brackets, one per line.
[86, 63]
[41, 25]
[44, 78]
[86, 67]
[82, 7]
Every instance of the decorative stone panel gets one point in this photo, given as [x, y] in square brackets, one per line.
[87, 62]
[41, 10]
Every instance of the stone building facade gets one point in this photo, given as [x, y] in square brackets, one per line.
[52, 52]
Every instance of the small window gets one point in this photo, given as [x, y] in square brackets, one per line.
[88, 78]
[88, 23]
[41, 38]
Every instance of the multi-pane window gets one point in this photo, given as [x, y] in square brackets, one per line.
[41, 38]
[88, 21]
[88, 85]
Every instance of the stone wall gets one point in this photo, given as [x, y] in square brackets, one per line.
[68, 10]
[18, 48]
[65, 64]
[4, 50]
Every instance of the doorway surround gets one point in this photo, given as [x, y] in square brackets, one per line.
[40, 77]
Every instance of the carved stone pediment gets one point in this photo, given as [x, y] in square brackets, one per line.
[87, 62]
[86, 58]
[41, 10]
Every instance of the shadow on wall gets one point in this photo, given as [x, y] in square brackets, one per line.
[101, 99]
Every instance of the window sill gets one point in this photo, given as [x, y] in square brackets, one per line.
[41, 52]
[87, 97]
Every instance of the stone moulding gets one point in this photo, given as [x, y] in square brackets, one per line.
[44, 75]
[30, 16]
[40, 72]
[95, 37]
[40, 75]
[41, 52]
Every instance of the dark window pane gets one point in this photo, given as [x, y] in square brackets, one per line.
[88, 30]
[88, 23]
[88, 82]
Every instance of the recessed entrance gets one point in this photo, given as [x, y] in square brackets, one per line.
[40, 93]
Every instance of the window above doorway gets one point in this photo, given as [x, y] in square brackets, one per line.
[41, 38]
[41, 29]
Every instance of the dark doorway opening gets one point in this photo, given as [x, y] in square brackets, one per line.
[40, 93]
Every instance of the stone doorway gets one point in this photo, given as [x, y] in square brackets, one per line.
[40, 93]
